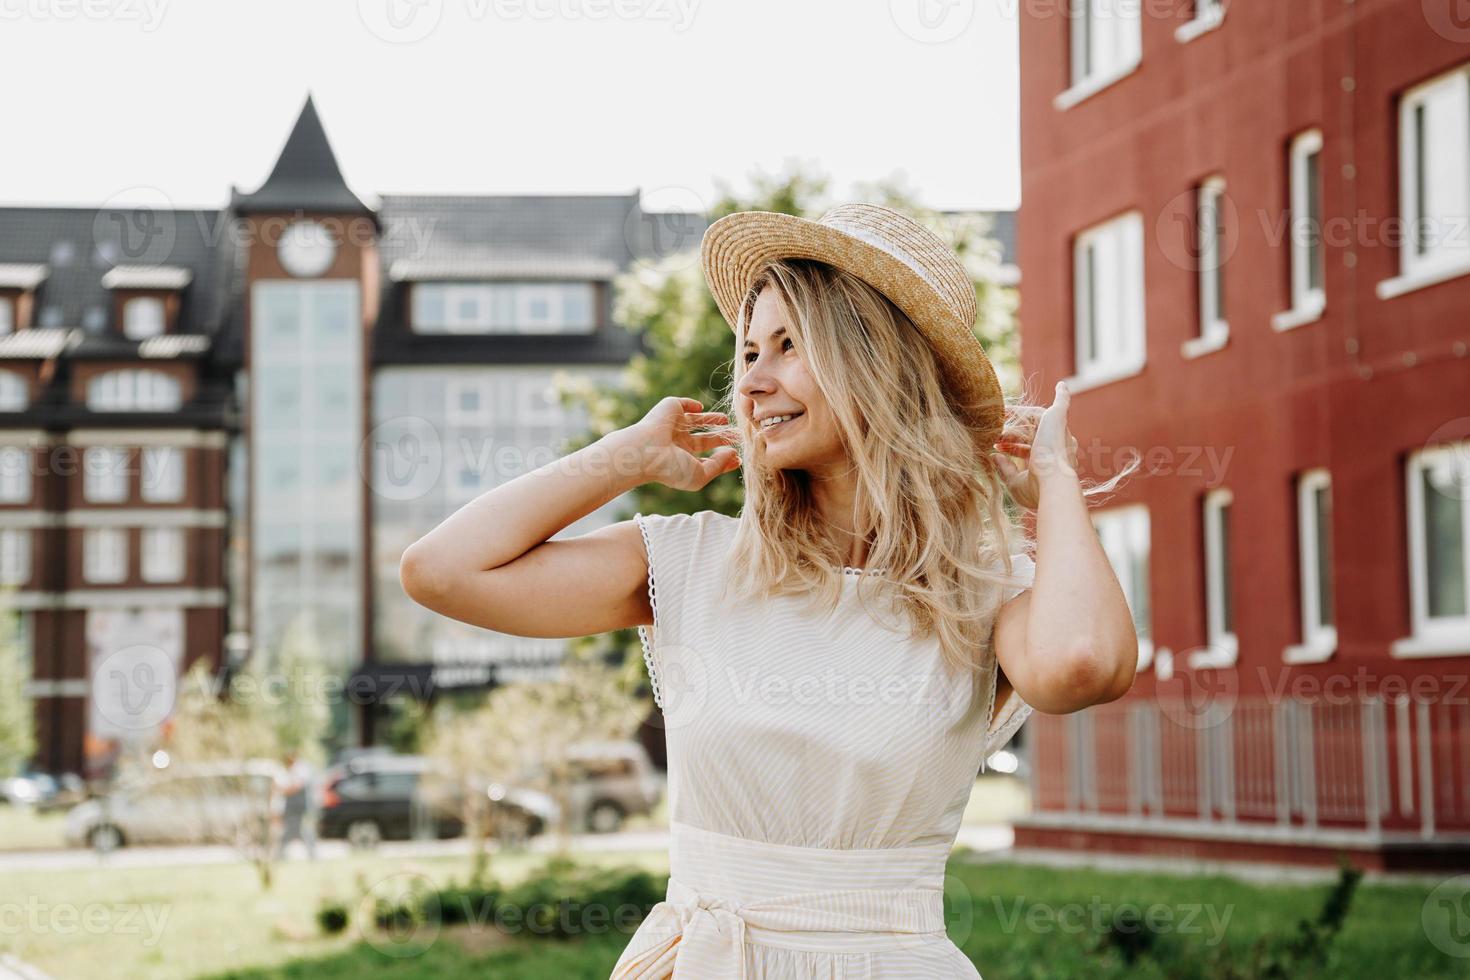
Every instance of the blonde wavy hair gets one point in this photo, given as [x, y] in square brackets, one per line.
[929, 500]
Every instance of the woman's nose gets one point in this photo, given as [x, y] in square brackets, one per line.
[754, 380]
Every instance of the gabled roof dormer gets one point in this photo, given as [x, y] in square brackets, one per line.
[147, 298]
[18, 284]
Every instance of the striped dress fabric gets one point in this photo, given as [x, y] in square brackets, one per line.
[819, 766]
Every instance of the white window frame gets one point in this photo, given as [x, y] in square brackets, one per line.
[1214, 329]
[1319, 642]
[1208, 15]
[15, 555]
[144, 317]
[15, 393]
[161, 550]
[1448, 95]
[16, 483]
[134, 390]
[105, 554]
[1308, 302]
[1434, 636]
[162, 478]
[505, 307]
[1124, 19]
[1124, 235]
[1221, 645]
[105, 474]
[7, 315]
[1124, 531]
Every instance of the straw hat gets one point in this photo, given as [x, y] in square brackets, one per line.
[890, 252]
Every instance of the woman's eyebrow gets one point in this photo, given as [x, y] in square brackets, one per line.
[774, 335]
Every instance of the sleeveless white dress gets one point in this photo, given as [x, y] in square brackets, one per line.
[818, 770]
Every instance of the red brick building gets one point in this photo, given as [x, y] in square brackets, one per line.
[1243, 240]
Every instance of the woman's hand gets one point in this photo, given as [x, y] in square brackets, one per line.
[1040, 437]
[672, 451]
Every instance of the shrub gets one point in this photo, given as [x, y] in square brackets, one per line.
[332, 916]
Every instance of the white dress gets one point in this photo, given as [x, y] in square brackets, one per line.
[818, 769]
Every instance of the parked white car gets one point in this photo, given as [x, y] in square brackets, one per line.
[611, 781]
[222, 802]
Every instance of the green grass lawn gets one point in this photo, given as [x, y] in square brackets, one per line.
[1013, 921]
[23, 829]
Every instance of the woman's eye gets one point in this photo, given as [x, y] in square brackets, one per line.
[784, 342]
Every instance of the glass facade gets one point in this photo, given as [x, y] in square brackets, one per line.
[442, 436]
[306, 496]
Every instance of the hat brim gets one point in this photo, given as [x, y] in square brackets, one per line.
[736, 248]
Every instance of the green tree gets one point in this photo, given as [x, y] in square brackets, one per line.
[17, 717]
[300, 688]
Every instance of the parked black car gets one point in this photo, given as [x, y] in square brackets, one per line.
[395, 797]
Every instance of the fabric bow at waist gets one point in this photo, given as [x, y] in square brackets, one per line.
[700, 932]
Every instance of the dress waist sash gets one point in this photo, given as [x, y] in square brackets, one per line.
[725, 891]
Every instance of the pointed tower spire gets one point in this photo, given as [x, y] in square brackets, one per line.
[306, 175]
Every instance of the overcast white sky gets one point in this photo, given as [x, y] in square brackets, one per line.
[116, 100]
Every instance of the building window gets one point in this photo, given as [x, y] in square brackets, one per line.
[1434, 182]
[7, 315]
[1314, 546]
[503, 307]
[468, 402]
[15, 475]
[15, 395]
[1108, 271]
[162, 551]
[142, 317]
[1308, 292]
[105, 554]
[131, 390]
[1221, 645]
[1211, 248]
[1439, 549]
[15, 556]
[1106, 43]
[105, 475]
[1208, 14]
[163, 474]
[1124, 533]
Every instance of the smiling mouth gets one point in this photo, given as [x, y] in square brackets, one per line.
[782, 425]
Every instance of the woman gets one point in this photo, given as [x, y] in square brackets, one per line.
[835, 665]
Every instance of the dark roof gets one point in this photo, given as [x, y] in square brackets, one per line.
[306, 175]
[1003, 229]
[583, 237]
[79, 245]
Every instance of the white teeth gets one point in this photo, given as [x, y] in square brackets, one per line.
[775, 420]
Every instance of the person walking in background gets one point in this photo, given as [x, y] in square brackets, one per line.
[294, 788]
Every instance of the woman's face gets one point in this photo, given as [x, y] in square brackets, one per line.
[776, 382]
